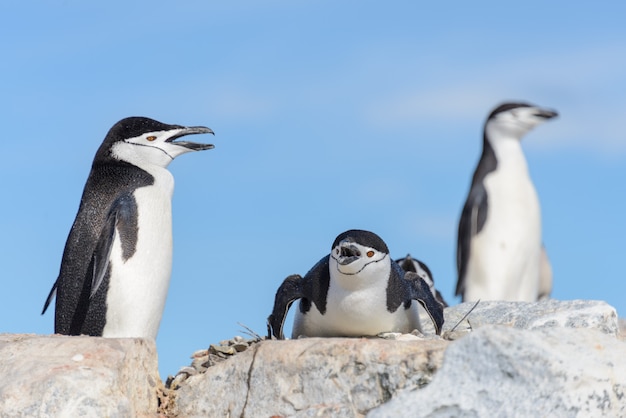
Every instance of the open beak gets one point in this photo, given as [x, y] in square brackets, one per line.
[192, 130]
[348, 253]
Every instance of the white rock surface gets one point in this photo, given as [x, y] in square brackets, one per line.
[549, 313]
[505, 372]
[340, 377]
[57, 376]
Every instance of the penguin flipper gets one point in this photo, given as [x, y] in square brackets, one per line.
[121, 217]
[471, 223]
[100, 258]
[52, 293]
[289, 291]
[420, 291]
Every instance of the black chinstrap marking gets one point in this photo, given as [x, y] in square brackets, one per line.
[150, 146]
[362, 268]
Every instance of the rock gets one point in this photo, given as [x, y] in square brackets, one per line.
[502, 371]
[52, 376]
[547, 313]
[310, 376]
[507, 358]
[348, 377]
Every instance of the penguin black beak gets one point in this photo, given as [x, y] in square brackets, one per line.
[546, 114]
[348, 253]
[192, 130]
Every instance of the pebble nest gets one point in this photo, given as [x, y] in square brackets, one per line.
[203, 359]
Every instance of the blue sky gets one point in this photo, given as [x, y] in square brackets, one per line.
[328, 116]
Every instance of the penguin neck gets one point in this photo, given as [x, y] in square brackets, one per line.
[145, 157]
[374, 273]
[507, 150]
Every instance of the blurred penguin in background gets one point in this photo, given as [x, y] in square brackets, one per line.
[500, 255]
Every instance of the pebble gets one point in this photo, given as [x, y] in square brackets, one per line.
[221, 349]
[203, 359]
[456, 334]
[189, 370]
[239, 347]
[200, 353]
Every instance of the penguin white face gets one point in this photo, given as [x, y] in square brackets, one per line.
[143, 141]
[515, 120]
[354, 265]
[158, 147]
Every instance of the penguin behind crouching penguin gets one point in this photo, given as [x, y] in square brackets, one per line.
[409, 263]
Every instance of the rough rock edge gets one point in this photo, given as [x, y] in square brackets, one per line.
[431, 359]
[457, 313]
[456, 326]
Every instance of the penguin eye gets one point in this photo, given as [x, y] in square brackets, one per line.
[337, 251]
[370, 253]
[151, 138]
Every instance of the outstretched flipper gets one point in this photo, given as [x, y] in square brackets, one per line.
[288, 292]
[420, 291]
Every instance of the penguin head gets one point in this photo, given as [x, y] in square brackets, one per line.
[409, 263]
[359, 258]
[140, 141]
[514, 120]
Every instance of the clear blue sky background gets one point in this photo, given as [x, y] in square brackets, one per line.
[328, 116]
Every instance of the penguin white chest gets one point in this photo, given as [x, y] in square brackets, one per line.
[355, 312]
[505, 254]
[512, 203]
[138, 285]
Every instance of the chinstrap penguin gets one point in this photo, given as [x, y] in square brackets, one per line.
[409, 263]
[116, 264]
[499, 247]
[356, 290]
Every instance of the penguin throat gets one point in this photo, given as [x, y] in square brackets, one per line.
[364, 275]
[152, 146]
[141, 155]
